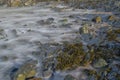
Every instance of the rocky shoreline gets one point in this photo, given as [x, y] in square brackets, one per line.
[46, 42]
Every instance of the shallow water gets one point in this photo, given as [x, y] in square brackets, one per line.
[22, 34]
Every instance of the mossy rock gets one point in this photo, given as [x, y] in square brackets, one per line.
[97, 19]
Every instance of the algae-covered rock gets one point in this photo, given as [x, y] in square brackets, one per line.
[64, 21]
[100, 63]
[16, 3]
[25, 71]
[69, 77]
[84, 29]
[97, 19]
[111, 35]
[30, 2]
[21, 77]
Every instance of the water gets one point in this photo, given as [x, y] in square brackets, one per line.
[22, 35]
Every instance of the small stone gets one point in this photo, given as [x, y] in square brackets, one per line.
[97, 19]
[100, 63]
[64, 21]
[84, 29]
[50, 20]
[69, 77]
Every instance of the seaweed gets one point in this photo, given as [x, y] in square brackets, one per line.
[71, 56]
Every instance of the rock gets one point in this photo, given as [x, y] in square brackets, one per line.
[84, 29]
[69, 77]
[100, 63]
[112, 18]
[4, 58]
[21, 77]
[16, 3]
[64, 21]
[47, 73]
[97, 19]
[50, 20]
[27, 70]
[2, 34]
[30, 2]
[46, 22]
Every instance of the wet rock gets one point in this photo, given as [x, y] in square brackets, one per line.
[84, 29]
[30, 2]
[69, 77]
[47, 73]
[46, 22]
[97, 19]
[21, 77]
[4, 58]
[50, 20]
[64, 21]
[16, 3]
[100, 63]
[25, 71]
[2, 34]
[68, 25]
